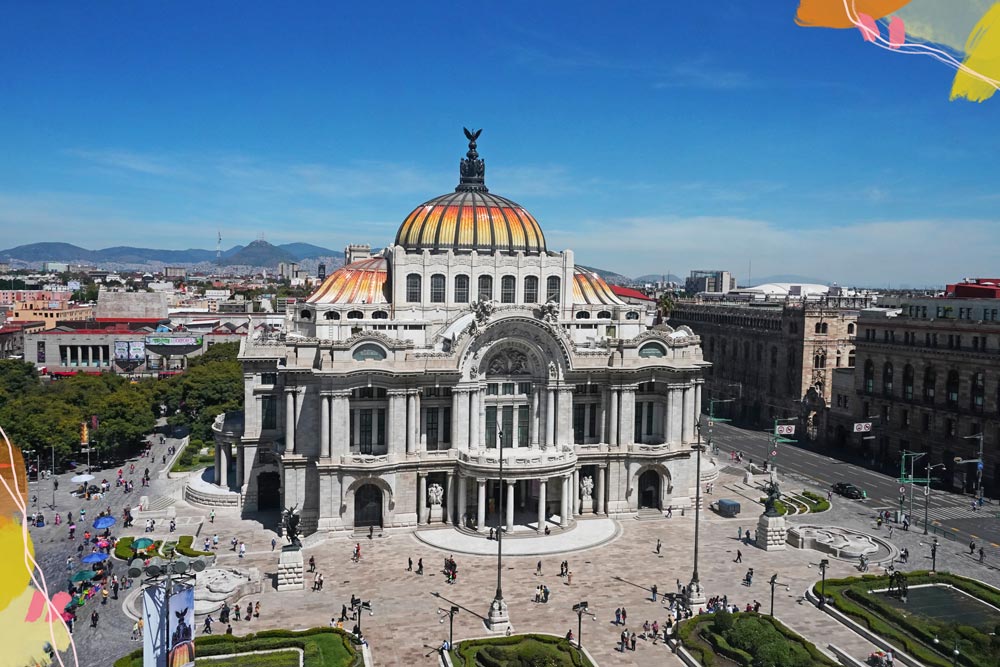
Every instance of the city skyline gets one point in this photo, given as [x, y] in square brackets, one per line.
[648, 142]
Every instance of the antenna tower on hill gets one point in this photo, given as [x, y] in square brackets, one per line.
[218, 247]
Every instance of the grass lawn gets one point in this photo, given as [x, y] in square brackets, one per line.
[519, 650]
[280, 659]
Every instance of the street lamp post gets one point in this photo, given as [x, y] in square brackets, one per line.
[55, 481]
[580, 608]
[927, 494]
[695, 595]
[954, 651]
[773, 582]
[451, 623]
[498, 618]
[361, 607]
[823, 564]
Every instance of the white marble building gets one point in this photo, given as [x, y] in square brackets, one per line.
[383, 403]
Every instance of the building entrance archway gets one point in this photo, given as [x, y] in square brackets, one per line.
[649, 490]
[368, 506]
[268, 491]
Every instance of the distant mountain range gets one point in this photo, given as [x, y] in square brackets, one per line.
[789, 278]
[659, 277]
[257, 253]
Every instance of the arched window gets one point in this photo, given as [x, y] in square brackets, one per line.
[887, 378]
[604, 315]
[819, 361]
[331, 315]
[951, 388]
[552, 289]
[437, 288]
[508, 289]
[869, 376]
[978, 391]
[368, 352]
[819, 328]
[908, 382]
[461, 289]
[355, 315]
[531, 289]
[652, 350]
[413, 288]
[306, 315]
[850, 329]
[930, 380]
[850, 359]
[380, 315]
[630, 315]
[485, 288]
[583, 315]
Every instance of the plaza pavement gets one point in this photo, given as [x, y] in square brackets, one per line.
[405, 628]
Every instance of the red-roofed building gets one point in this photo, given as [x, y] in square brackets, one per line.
[975, 288]
[633, 296]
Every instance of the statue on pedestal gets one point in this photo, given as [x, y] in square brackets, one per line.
[773, 495]
[587, 494]
[290, 520]
[435, 494]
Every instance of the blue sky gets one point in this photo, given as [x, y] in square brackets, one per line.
[645, 136]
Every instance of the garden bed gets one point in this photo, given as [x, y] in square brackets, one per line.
[913, 633]
[322, 647]
[518, 650]
[747, 639]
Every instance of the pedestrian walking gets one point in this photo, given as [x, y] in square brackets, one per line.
[312, 563]
[538, 569]
[654, 592]
[624, 616]
[739, 533]
[659, 545]
[972, 547]
[256, 610]
[409, 564]
[274, 543]
[208, 625]
[237, 610]
[618, 616]
[94, 618]
[569, 578]
[215, 541]
[739, 556]
[211, 519]
[982, 555]
[420, 566]
[890, 532]
[632, 641]
[243, 549]
[104, 595]
[249, 611]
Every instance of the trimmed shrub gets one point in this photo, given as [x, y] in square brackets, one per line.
[184, 547]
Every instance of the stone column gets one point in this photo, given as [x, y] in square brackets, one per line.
[460, 419]
[240, 466]
[100, 356]
[227, 458]
[533, 426]
[421, 498]
[449, 488]
[514, 423]
[411, 428]
[541, 505]
[481, 507]
[290, 420]
[575, 490]
[474, 419]
[90, 355]
[601, 472]
[697, 401]
[218, 464]
[676, 419]
[79, 355]
[687, 410]
[324, 425]
[392, 431]
[601, 417]
[564, 428]
[550, 417]
[613, 418]
[421, 438]
[510, 505]
[564, 502]
[463, 488]
[626, 417]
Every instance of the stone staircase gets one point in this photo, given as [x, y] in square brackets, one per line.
[159, 503]
[648, 514]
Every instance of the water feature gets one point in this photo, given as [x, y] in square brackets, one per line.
[946, 604]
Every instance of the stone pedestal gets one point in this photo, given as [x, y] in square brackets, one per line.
[587, 505]
[436, 514]
[696, 594]
[291, 571]
[771, 533]
[498, 620]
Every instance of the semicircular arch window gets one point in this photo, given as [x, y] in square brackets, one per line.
[355, 315]
[306, 315]
[631, 315]
[652, 350]
[380, 315]
[369, 352]
[583, 315]
[604, 315]
[331, 315]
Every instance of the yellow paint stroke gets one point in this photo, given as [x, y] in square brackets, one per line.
[983, 49]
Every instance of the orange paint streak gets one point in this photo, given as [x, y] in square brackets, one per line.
[831, 13]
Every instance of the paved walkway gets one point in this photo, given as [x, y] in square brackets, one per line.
[585, 535]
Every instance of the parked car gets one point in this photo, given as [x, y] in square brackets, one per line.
[847, 490]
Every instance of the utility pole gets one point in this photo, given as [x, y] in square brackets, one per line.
[779, 430]
[712, 418]
[910, 480]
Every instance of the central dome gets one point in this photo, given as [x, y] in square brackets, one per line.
[471, 218]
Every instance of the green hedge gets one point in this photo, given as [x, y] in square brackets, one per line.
[190, 459]
[779, 506]
[749, 640]
[817, 503]
[184, 547]
[123, 547]
[915, 634]
[518, 650]
[322, 647]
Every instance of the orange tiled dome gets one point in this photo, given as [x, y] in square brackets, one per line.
[471, 218]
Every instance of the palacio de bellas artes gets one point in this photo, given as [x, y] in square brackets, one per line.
[382, 405]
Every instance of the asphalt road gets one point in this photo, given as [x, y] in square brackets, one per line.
[950, 514]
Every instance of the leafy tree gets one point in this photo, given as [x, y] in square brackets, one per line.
[36, 422]
[17, 378]
[217, 352]
[125, 417]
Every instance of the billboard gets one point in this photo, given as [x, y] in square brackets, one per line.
[154, 632]
[177, 341]
[121, 350]
[181, 627]
[137, 350]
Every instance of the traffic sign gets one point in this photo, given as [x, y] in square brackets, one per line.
[785, 429]
[774, 452]
[711, 423]
[902, 489]
[862, 427]
[979, 466]
[927, 490]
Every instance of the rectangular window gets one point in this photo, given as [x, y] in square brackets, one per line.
[845, 402]
[524, 388]
[40, 352]
[508, 425]
[649, 418]
[446, 425]
[432, 428]
[380, 422]
[492, 389]
[906, 418]
[491, 426]
[508, 388]
[637, 425]
[365, 435]
[269, 379]
[269, 410]
[579, 417]
[522, 426]
[592, 422]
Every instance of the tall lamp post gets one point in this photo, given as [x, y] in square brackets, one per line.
[498, 618]
[774, 582]
[823, 564]
[451, 623]
[581, 608]
[954, 651]
[695, 594]
[927, 494]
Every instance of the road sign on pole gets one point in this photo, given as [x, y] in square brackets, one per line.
[774, 452]
[785, 429]
[902, 489]
[862, 427]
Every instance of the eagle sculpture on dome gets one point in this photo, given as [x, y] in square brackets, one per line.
[472, 136]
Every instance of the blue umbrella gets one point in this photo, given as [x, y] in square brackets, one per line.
[94, 558]
[102, 522]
